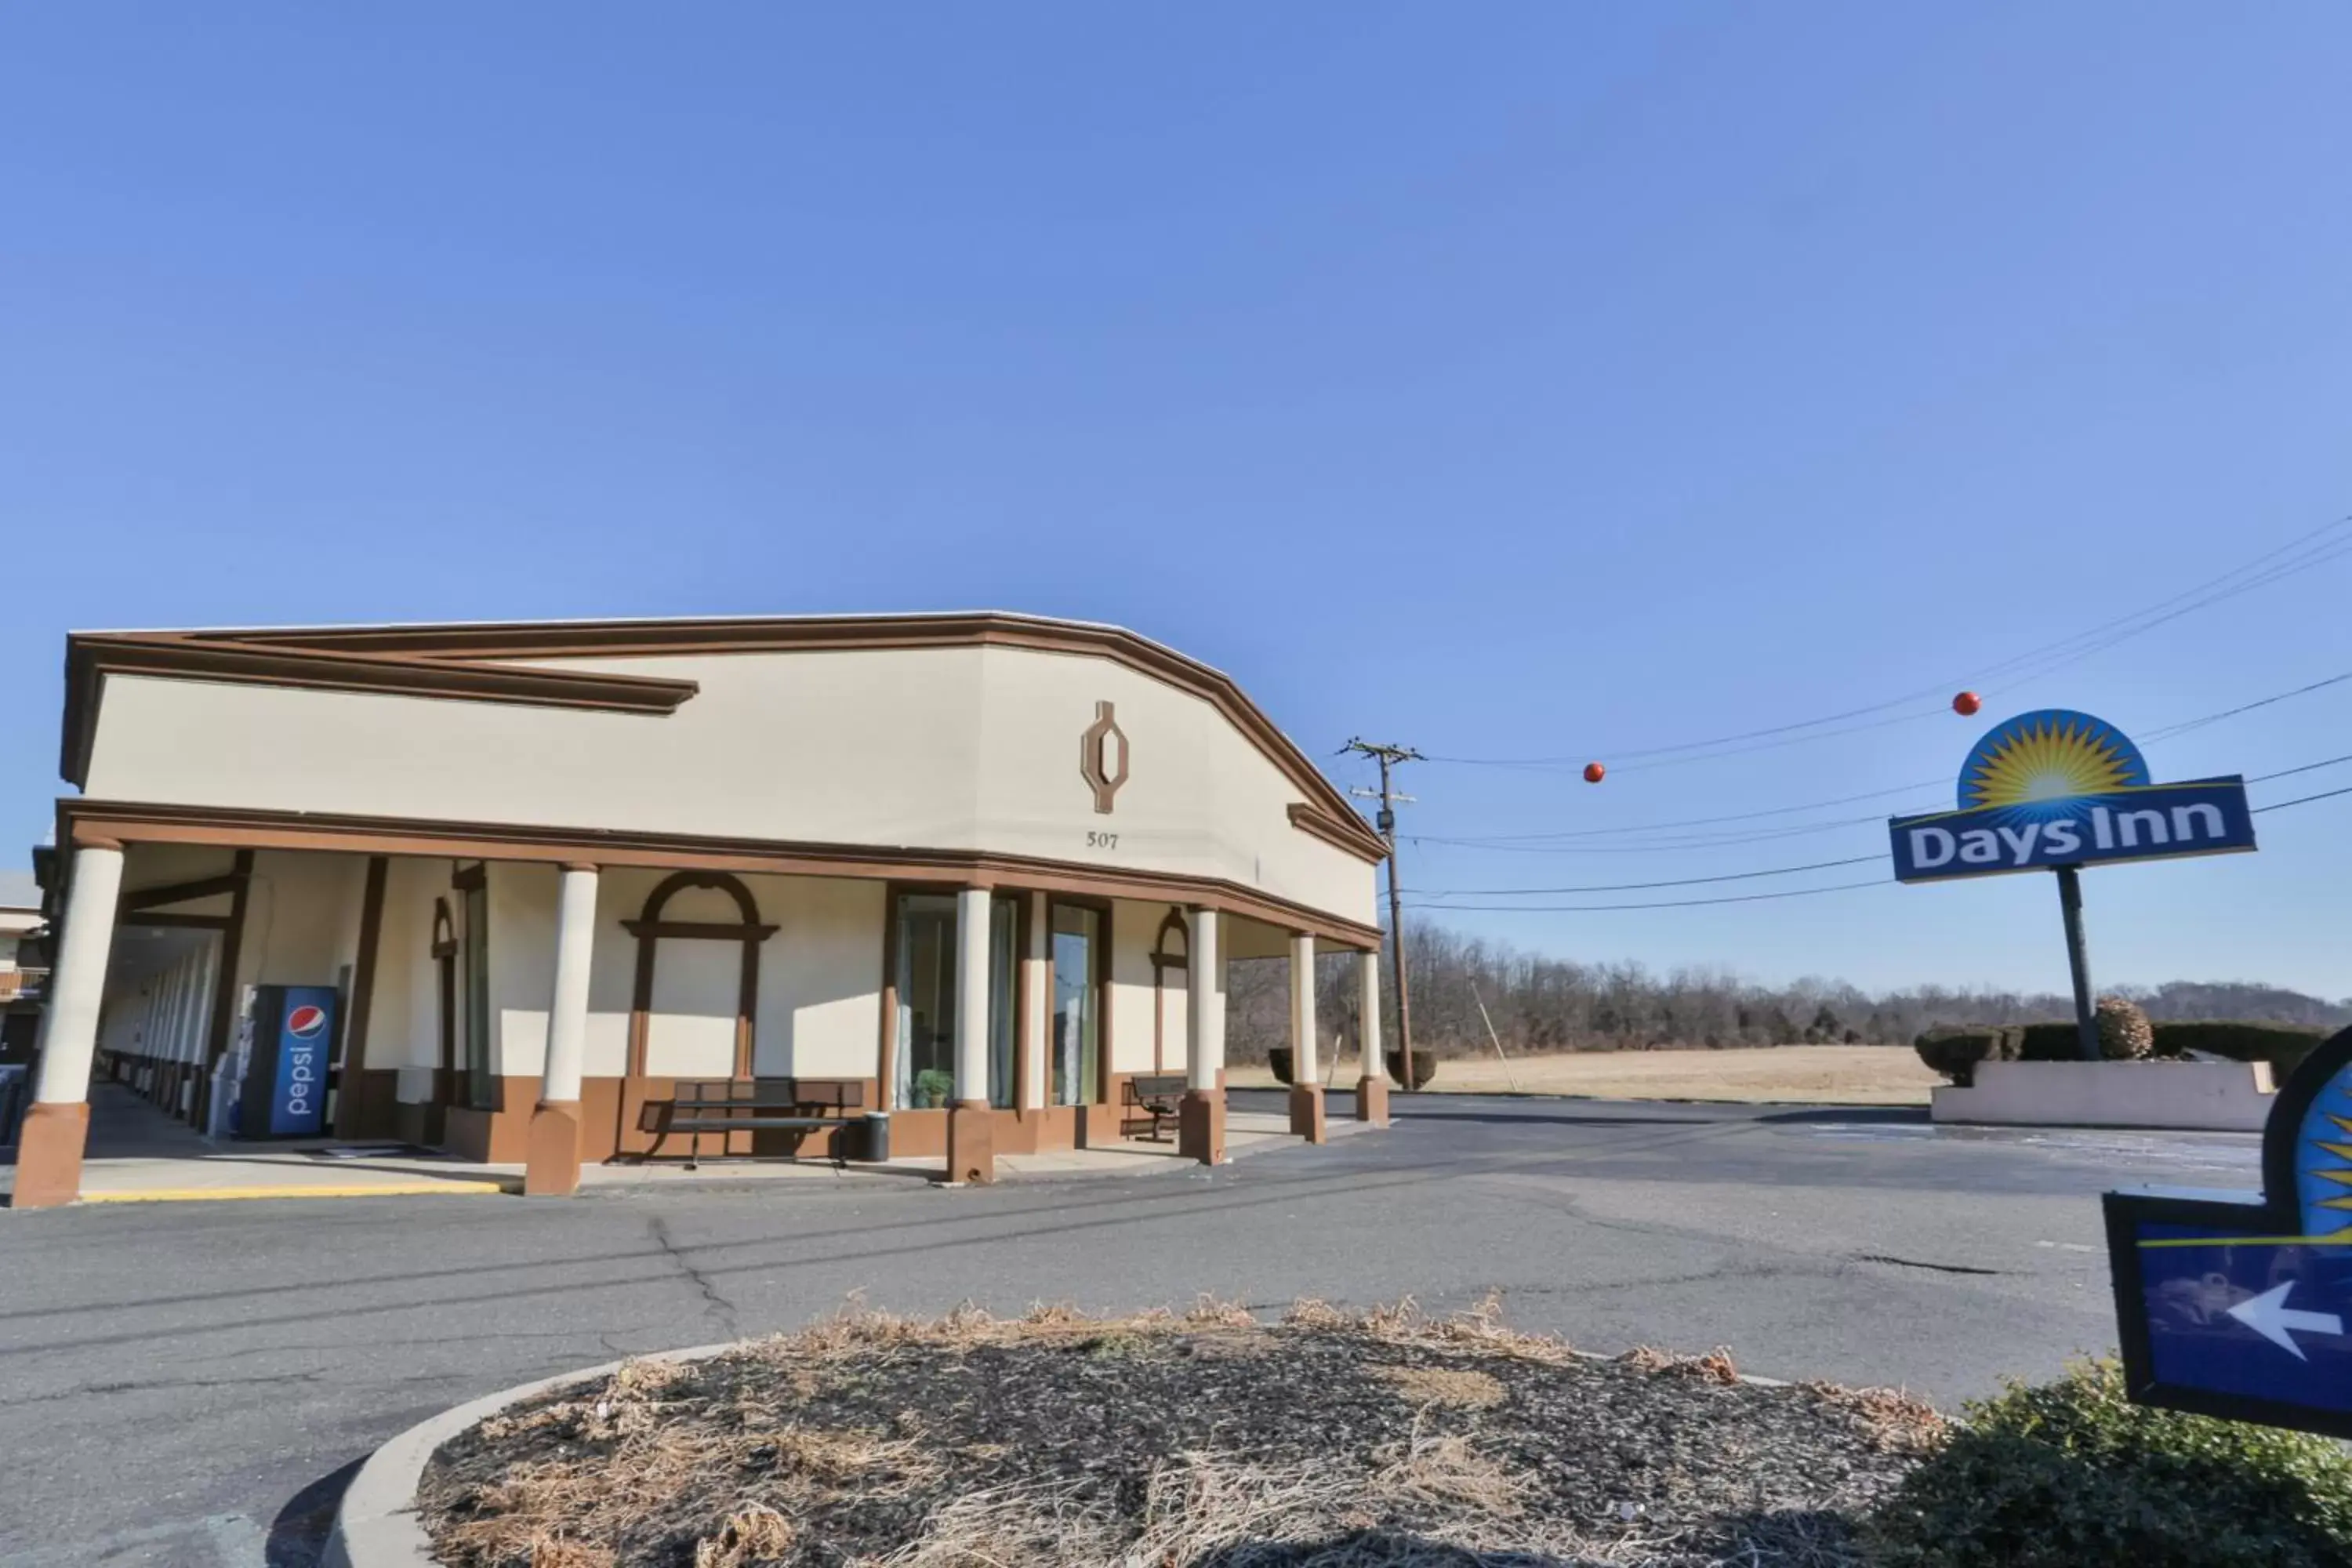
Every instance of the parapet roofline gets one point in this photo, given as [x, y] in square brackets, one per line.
[470, 661]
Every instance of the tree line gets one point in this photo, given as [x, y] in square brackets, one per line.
[1539, 1003]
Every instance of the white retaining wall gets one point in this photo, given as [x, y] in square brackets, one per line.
[2210, 1097]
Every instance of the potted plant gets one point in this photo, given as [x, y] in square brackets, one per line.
[933, 1087]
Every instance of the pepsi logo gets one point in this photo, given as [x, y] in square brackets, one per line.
[303, 1023]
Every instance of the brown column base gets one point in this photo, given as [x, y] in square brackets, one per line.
[971, 1143]
[1306, 1112]
[48, 1154]
[551, 1156]
[1372, 1100]
[1201, 1126]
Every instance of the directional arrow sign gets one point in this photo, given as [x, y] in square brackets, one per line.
[2269, 1316]
[2235, 1305]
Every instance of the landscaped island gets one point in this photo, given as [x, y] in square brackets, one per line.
[1331, 1440]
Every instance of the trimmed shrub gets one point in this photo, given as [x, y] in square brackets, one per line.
[2050, 1043]
[1955, 1049]
[2283, 1046]
[2124, 1032]
[1424, 1068]
[2070, 1475]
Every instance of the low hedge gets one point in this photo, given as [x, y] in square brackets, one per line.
[2283, 1046]
[1955, 1049]
[2070, 1475]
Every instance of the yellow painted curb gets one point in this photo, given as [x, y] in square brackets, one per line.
[205, 1194]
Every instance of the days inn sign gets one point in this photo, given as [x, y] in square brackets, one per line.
[2055, 788]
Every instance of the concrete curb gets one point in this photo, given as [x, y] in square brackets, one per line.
[376, 1524]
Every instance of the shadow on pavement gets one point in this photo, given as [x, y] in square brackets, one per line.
[1882, 1115]
[297, 1536]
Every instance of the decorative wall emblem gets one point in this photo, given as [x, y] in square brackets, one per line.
[1102, 757]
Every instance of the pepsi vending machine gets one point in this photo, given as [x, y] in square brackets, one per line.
[284, 1089]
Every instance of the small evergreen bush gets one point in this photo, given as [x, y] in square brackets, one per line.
[2070, 1475]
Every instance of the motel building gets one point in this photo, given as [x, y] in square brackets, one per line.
[545, 882]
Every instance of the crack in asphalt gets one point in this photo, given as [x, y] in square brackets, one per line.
[716, 1306]
[161, 1384]
[1915, 1263]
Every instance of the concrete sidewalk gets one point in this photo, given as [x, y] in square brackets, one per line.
[140, 1154]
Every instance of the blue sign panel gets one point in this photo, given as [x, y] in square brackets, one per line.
[2059, 788]
[297, 1102]
[2243, 1309]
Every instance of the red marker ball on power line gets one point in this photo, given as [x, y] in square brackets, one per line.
[1966, 703]
[1595, 773]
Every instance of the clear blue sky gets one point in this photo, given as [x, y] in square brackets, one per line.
[1544, 379]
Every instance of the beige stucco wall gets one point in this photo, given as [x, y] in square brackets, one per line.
[1136, 1003]
[820, 977]
[972, 748]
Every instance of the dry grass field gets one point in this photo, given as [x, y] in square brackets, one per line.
[1837, 1075]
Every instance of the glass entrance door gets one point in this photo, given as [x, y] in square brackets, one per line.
[926, 981]
[1075, 1039]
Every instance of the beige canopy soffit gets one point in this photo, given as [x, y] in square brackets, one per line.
[470, 663]
[82, 823]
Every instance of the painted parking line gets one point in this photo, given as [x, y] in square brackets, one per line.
[211, 1195]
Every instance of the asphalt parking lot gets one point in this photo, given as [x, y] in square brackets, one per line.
[188, 1384]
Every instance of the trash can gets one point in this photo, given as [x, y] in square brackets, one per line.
[874, 1145]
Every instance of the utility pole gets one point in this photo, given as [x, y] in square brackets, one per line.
[1389, 757]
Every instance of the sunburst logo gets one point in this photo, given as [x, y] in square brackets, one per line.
[2323, 1164]
[2048, 758]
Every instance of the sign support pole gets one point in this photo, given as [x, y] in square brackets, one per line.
[2078, 960]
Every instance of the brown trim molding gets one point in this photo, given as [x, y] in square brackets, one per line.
[445, 662]
[1162, 962]
[225, 992]
[90, 657]
[154, 824]
[165, 918]
[179, 892]
[1349, 834]
[352, 1107]
[649, 928]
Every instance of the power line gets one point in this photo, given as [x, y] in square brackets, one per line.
[1763, 898]
[1663, 904]
[2303, 799]
[2306, 768]
[1635, 887]
[1540, 843]
[2302, 554]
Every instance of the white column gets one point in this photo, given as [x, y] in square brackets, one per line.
[1204, 1015]
[70, 1025]
[1303, 1068]
[567, 1012]
[1368, 1008]
[1037, 1002]
[971, 995]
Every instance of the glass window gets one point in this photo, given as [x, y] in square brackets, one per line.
[927, 1001]
[1077, 1005]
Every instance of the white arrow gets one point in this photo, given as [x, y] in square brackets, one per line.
[2269, 1316]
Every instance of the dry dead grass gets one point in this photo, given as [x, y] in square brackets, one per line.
[1462, 1388]
[621, 1458]
[1832, 1075]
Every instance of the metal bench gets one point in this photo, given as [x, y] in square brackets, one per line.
[1149, 1101]
[753, 1105]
